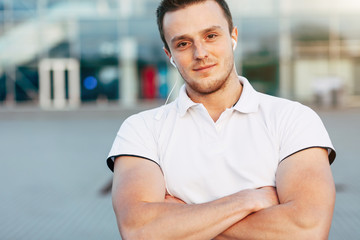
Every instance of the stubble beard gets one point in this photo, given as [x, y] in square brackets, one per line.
[212, 85]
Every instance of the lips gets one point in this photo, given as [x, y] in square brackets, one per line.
[202, 68]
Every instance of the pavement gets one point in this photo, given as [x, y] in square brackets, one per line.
[53, 172]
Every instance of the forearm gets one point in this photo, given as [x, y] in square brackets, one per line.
[284, 221]
[179, 221]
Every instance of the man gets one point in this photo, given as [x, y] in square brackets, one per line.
[222, 161]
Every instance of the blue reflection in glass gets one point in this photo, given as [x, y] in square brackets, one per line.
[90, 83]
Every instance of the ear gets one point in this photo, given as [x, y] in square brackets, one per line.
[234, 34]
[167, 53]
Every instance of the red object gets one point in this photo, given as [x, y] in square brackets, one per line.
[148, 77]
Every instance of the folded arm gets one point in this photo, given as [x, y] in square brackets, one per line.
[306, 193]
[144, 212]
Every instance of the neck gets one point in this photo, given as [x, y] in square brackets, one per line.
[226, 97]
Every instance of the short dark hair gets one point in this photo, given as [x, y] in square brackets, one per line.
[174, 5]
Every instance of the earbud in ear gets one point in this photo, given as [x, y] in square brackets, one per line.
[234, 44]
[172, 62]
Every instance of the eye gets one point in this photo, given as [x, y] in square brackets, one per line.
[181, 44]
[212, 36]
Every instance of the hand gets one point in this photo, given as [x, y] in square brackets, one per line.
[171, 199]
[267, 197]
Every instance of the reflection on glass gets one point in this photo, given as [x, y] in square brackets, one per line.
[259, 38]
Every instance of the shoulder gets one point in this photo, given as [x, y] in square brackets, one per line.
[281, 108]
[296, 126]
[276, 103]
[287, 118]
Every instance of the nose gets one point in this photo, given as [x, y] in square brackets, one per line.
[200, 51]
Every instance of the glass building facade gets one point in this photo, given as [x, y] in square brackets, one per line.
[295, 49]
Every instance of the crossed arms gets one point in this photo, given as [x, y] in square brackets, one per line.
[300, 207]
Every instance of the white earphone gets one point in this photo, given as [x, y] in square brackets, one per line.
[172, 62]
[235, 43]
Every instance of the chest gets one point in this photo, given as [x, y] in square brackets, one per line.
[202, 160]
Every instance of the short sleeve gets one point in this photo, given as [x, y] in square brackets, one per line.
[301, 128]
[134, 138]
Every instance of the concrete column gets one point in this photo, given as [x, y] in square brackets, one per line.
[125, 8]
[10, 71]
[334, 44]
[44, 84]
[59, 68]
[73, 67]
[59, 84]
[286, 87]
[286, 77]
[128, 71]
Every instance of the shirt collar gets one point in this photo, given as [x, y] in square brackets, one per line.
[248, 102]
[249, 99]
[184, 102]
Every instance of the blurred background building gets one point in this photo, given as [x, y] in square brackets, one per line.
[63, 53]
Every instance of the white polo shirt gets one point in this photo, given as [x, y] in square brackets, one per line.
[203, 160]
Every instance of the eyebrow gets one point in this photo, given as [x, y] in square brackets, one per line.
[186, 36]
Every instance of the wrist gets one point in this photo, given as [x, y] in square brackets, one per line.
[245, 202]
